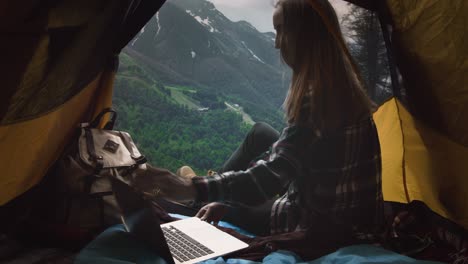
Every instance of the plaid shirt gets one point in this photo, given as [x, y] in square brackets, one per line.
[329, 182]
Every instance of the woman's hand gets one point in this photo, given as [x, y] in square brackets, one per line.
[213, 212]
[162, 182]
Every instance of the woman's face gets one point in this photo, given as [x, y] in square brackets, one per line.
[281, 41]
[278, 21]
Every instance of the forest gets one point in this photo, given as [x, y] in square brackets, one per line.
[177, 125]
[171, 134]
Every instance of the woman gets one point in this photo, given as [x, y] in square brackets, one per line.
[323, 174]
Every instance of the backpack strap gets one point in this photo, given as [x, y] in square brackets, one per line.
[109, 125]
[127, 142]
[92, 151]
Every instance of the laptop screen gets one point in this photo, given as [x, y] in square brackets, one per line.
[140, 219]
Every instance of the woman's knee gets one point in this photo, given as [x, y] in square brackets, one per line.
[263, 134]
[264, 130]
[260, 126]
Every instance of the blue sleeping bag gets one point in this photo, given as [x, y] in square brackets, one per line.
[116, 246]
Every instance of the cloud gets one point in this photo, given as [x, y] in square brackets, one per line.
[262, 20]
[341, 7]
[244, 3]
[259, 12]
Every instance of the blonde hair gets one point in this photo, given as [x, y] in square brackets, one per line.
[326, 91]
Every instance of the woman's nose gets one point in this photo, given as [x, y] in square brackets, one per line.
[277, 42]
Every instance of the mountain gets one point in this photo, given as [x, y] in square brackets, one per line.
[170, 127]
[191, 43]
[191, 84]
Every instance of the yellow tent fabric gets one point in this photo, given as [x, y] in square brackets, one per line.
[54, 51]
[29, 148]
[58, 71]
[419, 163]
[423, 159]
[431, 39]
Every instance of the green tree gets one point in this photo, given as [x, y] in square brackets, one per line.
[169, 134]
[362, 28]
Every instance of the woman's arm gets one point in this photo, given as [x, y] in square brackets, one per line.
[251, 187]
[264, 180]
[162, 182]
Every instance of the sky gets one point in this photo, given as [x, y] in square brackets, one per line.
[259, 12]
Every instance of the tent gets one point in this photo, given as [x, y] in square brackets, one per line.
[424, 153]
[60, 59]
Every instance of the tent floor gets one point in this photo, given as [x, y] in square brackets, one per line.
[15, 252]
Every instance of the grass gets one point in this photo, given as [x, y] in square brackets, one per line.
[182, 88]
[245, 117]
[177, 92]
[182, 99]
[126, 60]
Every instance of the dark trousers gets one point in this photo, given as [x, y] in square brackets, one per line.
[257, 141]
[255, 219]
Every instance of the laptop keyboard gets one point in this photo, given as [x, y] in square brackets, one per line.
[183, 247]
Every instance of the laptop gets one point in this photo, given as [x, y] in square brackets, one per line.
[185, 241]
